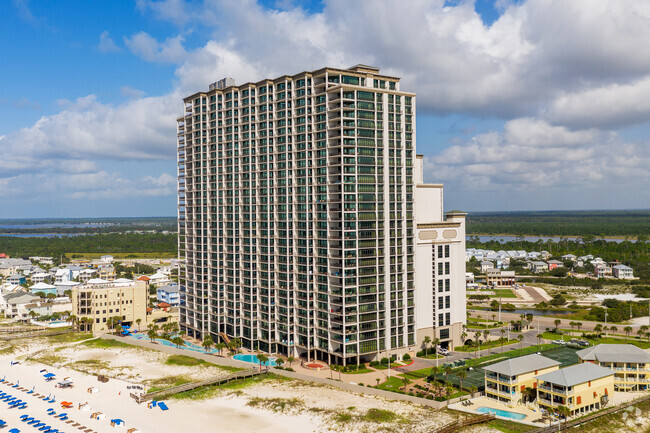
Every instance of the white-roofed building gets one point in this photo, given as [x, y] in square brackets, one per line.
[45, 288]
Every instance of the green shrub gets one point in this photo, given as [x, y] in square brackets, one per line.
[406, 357]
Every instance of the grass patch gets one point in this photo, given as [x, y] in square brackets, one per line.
[393, 384]
[508, 426]
[50, 359]
[281, 405]
[165, 382]
[183, 360]
[492, 344]
[8, 350]
[70, 337]
[100, 343]
[503, 293]
[380, 415]
[359, 371]
[342, 418]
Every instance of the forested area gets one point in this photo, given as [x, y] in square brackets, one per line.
[100, 244]
[586, 224]
[86, 225]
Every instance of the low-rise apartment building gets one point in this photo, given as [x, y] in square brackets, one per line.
[500, 278]
[506, 381]
[169, 294]
[100, 300]
[630, 364]
[581, 388]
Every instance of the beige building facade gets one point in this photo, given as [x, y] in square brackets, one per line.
[630, 364]
[102, 300]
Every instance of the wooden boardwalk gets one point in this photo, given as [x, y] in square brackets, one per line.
[453, 426]
[245, 374]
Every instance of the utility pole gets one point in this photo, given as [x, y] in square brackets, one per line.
[500, 300]
[605, 323]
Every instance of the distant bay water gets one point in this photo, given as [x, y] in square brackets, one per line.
[503, 239]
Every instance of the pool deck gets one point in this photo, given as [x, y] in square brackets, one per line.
[477, 402]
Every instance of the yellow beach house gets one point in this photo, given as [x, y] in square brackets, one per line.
[630, 363]
[506, 381]
[581, 388]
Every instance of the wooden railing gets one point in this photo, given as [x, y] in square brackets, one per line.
[245, 374]
[453, 426]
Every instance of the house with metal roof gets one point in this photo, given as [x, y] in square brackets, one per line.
[581, 388]
[630, 363]
[506, 381]
[622, 272]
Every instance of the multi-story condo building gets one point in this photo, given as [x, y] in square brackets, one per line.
[507, 380]
[630, 363]
[296, 215]
[100, 300]
[581, 388]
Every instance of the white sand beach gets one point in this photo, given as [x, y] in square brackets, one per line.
[268, 406]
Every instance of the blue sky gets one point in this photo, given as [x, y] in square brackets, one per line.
[521, 104]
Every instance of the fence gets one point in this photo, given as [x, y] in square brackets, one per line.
[453, 426]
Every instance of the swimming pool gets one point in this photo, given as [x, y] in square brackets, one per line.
[187, 346]
[253, 359]
[502, 413]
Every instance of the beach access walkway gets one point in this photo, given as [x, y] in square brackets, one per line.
[245, 374]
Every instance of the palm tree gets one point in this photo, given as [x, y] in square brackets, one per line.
[598, 328]
[426, 342]
[572, 324]
[279, 362]
[529, 318]
[449, 390]
[207, 343]
[262, 358]
[290, 359]
[503, 338]
[405, 382]
[640, 333]
[486, 336]
[138, 321]
[477, 338]
[613, 328]
[73, 319]
[564, 412]
[436, 343]
[462, 374]
[447, 370]
[152, 334]
[520, 337]
[578, 325]
[539, 340]
[178, 342]
[557, 323]
[463, 337]
[473, 389]
[118, 329]
[627, 330]
[494, 316]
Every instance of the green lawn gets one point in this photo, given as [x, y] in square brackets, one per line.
[503, 293]
[105, 344]
[392, 384]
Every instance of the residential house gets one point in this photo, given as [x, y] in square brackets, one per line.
[106, 273]
[43, 260]
[554, 264]
[159, 279]
[500, 278]
[581, 388]
[62, 275]
[107, 259]
[630, 363]
[538, 266]
[469, 277]
[602, 271]
[506, 381]
[41, 277]
[87, 274]
[623, 272]
[169, 294]
[14, 304]
[65, 285]
[16, 279]
[567, 257]
[485, 265]
[45, 288]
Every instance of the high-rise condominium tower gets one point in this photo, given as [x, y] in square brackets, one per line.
[296, 215]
